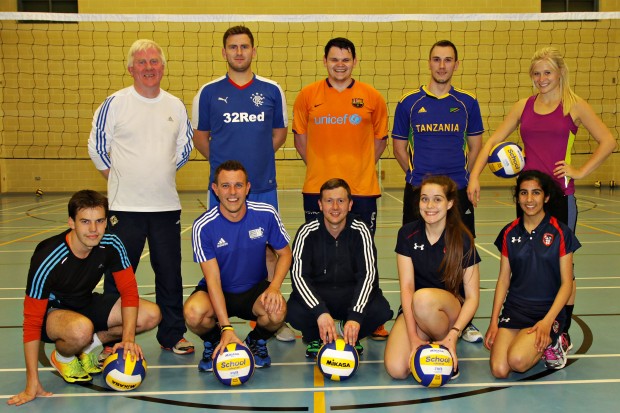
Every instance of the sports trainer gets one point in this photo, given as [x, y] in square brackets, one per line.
[229, 242]
[61, 308]
[444, 125]
[243, 116]
[141, 136]
[335, 275]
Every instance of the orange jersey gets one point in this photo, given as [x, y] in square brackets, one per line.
[341, 128]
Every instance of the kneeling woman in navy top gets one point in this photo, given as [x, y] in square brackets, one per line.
[439, 279]
[534, 284]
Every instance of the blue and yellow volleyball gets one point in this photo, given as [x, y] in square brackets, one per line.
[337, 360]
[506, 160]
[234, 366]
[432, 365]
[123, 375]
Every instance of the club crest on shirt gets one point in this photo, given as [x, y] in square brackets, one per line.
[547, 239]
[258, 99]
[256, 233]
[357, 102]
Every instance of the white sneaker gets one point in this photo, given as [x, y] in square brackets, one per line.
[471, 334]
[555, 356]
[107, 351]
[285, 333]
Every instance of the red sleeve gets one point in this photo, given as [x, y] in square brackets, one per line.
[34, 313]
[128, 287]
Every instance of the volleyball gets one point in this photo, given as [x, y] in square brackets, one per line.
[506, 160]
[123, 374]
[234, 366]
[337, 360]
[431, 365]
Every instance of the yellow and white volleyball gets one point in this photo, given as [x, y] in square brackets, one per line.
[506, 160]
[337, 360]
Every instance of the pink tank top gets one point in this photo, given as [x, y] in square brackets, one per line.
[547, 139]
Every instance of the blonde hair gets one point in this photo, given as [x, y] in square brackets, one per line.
[141, 45]
[552, 56]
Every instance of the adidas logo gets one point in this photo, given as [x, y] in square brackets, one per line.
[422, 110]
[221, 243]
[170, 119]
[468, 212]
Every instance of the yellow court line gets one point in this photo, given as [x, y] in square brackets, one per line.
[41, 213]
[32, 235]
[319, 402]
[599, 229]
[319, 396]
[503, 203]
[605, 210]
[14, 219]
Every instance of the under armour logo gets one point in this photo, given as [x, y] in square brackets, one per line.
[225, 100]
[516, 239]
[416, 246]
[504, 320]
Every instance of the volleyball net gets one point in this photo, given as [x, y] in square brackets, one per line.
[56, 69]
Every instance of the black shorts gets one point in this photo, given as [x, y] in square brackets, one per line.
[240, 304]
[97, 310]
[520, 316]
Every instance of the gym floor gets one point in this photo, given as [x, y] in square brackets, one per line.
[588, 383]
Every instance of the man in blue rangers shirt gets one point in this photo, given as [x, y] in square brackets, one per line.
[241, 116]
[438, 131]
[229, 243]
